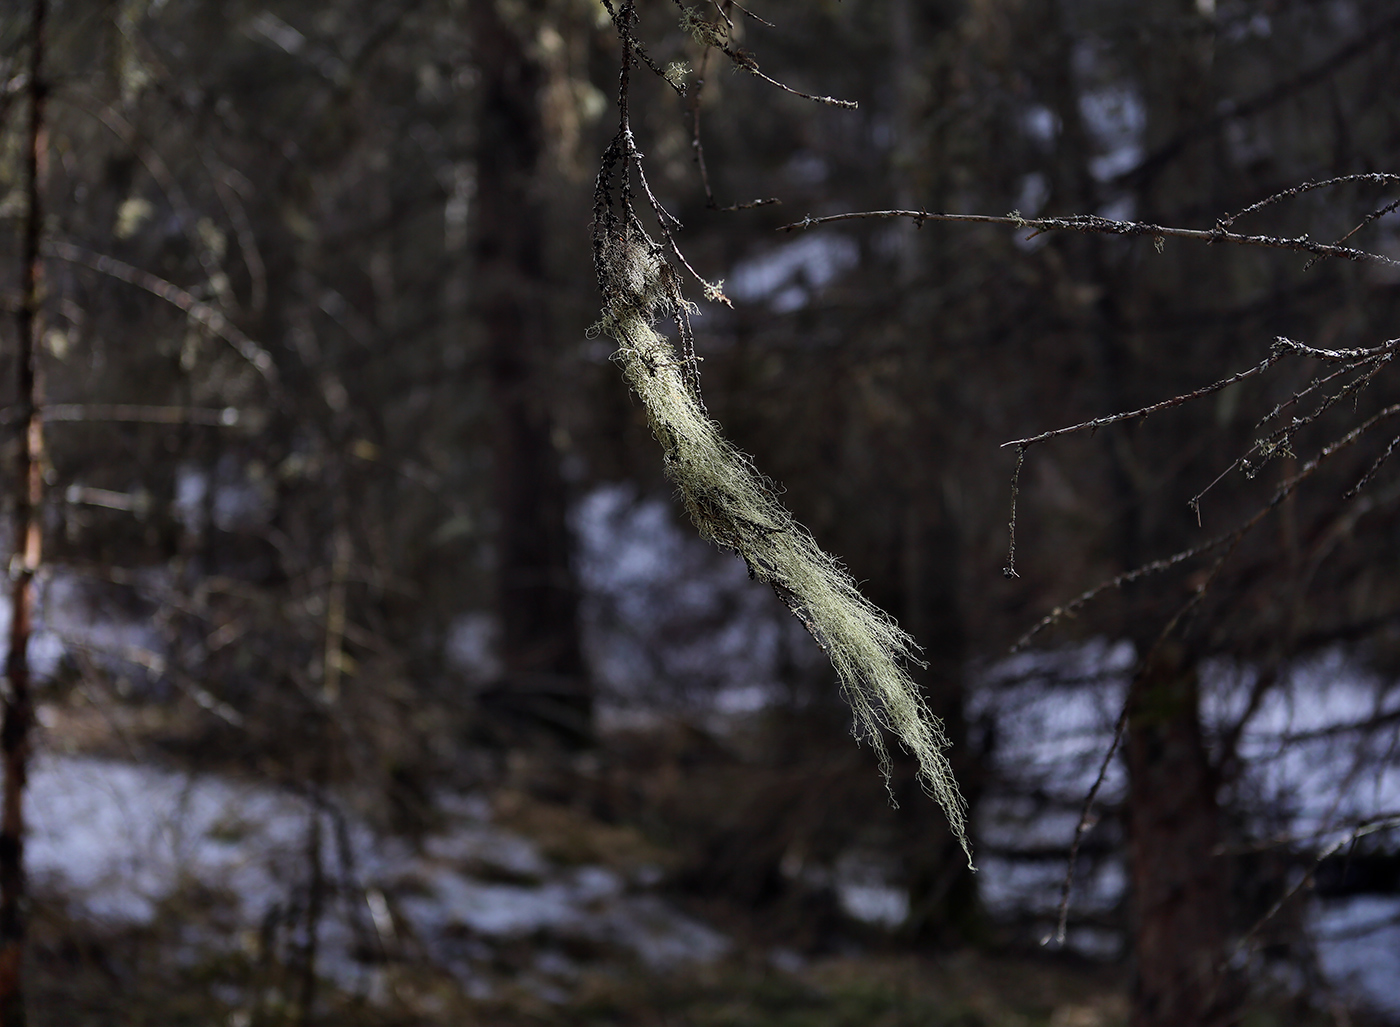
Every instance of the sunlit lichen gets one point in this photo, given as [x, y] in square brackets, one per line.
[734, 506]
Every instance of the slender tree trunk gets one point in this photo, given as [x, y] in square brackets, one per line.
[943, 903]
[24, 562]
[1179, 887]
[544, 681]
[942, 891]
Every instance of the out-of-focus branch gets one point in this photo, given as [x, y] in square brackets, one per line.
[203, 313]
[133, 413]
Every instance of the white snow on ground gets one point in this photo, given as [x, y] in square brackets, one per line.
[1359, 948]
[118, 839]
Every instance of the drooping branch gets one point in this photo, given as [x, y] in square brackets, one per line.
[728, 500]
[1103, 422]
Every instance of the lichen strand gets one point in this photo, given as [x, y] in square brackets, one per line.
[733, 505]
[699, 27]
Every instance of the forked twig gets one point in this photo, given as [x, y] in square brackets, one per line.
[1373, 177]
[1285, 489]
[1102, 422]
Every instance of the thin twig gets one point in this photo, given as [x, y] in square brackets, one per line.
[1120, 729]
[1371, 472]
[745, 60]
[1166, 404]
[1373, 216]
[203, 313]
[750, 13]
[1374, 177]
[1157, 566]
[695, 144]
[693, 100]
[1009, 570]
[1092, 223]
[1370, 826]
[1082, 826]
[225, 181]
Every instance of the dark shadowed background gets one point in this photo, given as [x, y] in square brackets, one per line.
[377, 676]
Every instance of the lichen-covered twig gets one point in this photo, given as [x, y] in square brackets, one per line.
[729, 501]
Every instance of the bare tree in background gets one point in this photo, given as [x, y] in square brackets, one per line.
[28, 538]
[544, 682]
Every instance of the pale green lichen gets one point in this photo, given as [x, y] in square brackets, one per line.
[733, 505]
[677, 72]
[702, 30]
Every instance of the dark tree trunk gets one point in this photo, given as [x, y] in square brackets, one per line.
[24, 562]
[544, 683]
[925, 585]
[1180, 881]
[943, 906]
[1179, 885]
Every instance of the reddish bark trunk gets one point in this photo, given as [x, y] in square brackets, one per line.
[24, 562]
[1179, 884]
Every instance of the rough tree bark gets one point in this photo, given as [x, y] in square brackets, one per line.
[1179, 889]
[544, 682]
[24, 560]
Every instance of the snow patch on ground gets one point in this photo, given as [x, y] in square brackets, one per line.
[118, 840]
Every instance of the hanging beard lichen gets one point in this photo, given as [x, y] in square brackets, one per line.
[733, 505]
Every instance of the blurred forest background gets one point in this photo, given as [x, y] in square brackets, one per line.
[376, 677]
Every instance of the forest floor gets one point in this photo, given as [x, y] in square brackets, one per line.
[169, 896]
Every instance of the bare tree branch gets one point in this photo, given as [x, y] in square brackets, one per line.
[1092, 223]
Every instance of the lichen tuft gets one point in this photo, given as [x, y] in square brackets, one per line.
[734, 506]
